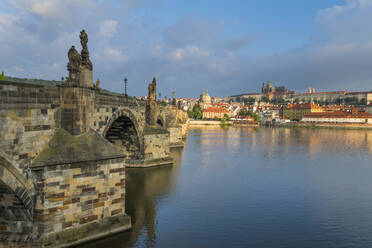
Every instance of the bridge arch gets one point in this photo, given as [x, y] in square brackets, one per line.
[124, 131]
[16, 204]
[160, 121]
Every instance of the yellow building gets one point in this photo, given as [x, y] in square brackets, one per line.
[214, 113]
[295, 112]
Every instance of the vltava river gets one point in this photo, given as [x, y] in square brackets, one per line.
[244, 187]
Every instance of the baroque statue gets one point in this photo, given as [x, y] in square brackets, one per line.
[152, 90]
[85, 61]
[73, 60]
[151, 108]
[73, 65]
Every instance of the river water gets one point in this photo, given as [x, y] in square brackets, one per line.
[245, 187]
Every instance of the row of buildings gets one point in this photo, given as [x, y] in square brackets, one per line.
[306, 110]
[270, 93]
[314, 113]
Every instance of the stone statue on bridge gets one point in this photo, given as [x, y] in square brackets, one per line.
[152, 90]
[151, 104]
[85, 61]
[79, 66]
[73, 65]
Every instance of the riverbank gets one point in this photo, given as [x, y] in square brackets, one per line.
[208, 123]
[351, 126]
[219, 123]
[326, 125]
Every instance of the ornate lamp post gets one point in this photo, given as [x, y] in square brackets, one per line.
[125, 85]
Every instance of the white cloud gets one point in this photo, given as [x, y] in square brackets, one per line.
[337, 10]
[188, 52]
[108, 28]
[18, 69]
[10, 22]
[115, 55]
[7, 21]
[53, 9]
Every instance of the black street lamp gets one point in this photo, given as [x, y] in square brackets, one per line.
[125, 84]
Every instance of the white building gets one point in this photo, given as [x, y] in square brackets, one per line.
[339, 117]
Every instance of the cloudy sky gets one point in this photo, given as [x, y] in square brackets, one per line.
[226, 47]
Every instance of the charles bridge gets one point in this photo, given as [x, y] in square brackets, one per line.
[63, 154]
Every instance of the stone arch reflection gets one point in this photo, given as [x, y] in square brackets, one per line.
[144, 188]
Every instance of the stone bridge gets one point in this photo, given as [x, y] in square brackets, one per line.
[63, 153]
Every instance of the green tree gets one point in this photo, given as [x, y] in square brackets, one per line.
[2, 76]
[265, 99]
[224, 119]
[250, 100]
[163, 103]
[244, 112]
[196, 112]
[339, 101]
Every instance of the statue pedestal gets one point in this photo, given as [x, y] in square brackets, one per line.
[86, 77]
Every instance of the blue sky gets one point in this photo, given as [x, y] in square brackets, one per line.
[226, 47]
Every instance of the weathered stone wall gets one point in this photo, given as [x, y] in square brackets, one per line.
[156, 145]
[77, 201]
[176, 122]
[175, 135]
[28, 117]
[77, 105]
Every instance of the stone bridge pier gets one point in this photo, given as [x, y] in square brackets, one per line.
[63, 154]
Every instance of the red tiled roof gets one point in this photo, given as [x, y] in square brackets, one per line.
[216, 110]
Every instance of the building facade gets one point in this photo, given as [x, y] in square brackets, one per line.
[214, 113]
[295, 112]
[339, 117]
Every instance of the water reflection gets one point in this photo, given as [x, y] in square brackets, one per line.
[255, 187]
[279, 141]
[145, 190]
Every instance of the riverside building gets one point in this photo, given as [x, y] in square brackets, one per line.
[339, 117]
[295, 112]
[214, 113]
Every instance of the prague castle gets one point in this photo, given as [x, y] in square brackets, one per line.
[269, 92]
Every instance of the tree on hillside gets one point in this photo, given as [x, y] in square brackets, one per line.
[2, 76]
[265, 99]
[245, 112]
[250, 100]
[196, 112]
